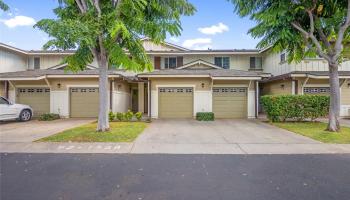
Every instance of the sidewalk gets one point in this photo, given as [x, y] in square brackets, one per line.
[154, 148]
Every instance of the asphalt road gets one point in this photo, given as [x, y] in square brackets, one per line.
[192, 177]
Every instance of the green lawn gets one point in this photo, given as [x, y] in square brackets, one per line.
[119, 132]
[316, 131]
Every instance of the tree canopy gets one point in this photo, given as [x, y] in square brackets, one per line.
[301, 27]
[119, 25]
[3, 6]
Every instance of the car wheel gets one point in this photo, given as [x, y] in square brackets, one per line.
[25, 115]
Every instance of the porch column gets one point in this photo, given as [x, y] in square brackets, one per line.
[141, 97]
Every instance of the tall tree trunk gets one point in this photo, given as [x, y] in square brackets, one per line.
[334, 109]
[103, 123]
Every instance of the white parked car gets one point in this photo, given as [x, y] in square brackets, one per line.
[9, 110]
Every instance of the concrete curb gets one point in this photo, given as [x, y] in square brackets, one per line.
[161, 148]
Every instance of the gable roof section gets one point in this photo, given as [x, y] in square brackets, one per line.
[59, 73]
[13, 48]
[173, 47]
[198, 63]
[36, 52]
[212, 73]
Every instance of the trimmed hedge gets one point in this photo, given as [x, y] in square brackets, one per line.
[295, 107]
[49, 117]
[126, 116]
[205, 116]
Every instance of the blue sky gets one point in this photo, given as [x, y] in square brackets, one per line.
[214, 25]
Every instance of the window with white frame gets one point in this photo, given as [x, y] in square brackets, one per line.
[255, 62]
[36, 62]
[170, 62]
[282, 57]
[223, 62]
[316, 90]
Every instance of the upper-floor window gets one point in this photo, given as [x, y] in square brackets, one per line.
[283, 57]
[36, 62]
[170, 62]
[223, 62]
[255, 63]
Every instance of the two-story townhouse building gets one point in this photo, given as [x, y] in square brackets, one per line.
[310, 76]
[183, 82]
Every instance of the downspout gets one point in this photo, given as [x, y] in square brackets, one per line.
[256, 99]
[149, 99]
[7, 89]
[342, 83]
[302, 88]
[47, 82]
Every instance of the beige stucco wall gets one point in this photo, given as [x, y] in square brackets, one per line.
[274, 88]
[11, 61]
[123, 86]
[30, 83]
[235, 83]
[197, 82]
[65, 82]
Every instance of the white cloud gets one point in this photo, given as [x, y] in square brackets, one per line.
[19, 21]
[174, 39]
[12, 43]
[214, 29]
[198, 43]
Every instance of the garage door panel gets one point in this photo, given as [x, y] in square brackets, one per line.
[175, 102]
[84, 102]
[37, 98]
[230, 102]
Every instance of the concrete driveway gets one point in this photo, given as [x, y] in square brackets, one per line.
[34, 129]
[219, 136]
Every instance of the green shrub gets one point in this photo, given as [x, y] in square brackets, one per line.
[128, 115]
[138, 116]
[49, 117]
[111, 116]
[205, 116]
[295, 107]
[119, 116]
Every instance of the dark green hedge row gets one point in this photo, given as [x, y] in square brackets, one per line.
[205, 116]
[295, 107]
[49, 117]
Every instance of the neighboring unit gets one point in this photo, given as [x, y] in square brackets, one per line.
[184, 82]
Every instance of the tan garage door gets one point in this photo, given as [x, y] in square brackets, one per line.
[175, 102]
[84, 102]
[37, 98]
[230, 102]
